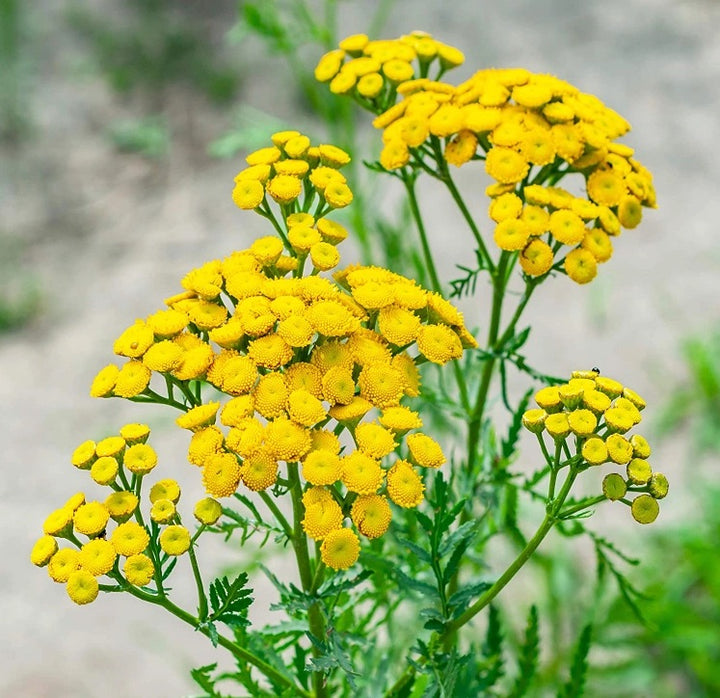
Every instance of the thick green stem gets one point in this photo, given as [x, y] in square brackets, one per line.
[316, 622]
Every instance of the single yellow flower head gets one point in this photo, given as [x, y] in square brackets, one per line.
[580, 266]
[163, 356]
[322, 467]
[302, 238]
[594, 451]
[97, 557]
[294, 168]
[331, 232]
[135, 433]
[267, 249]
[511, 234]
[321, 518]
[536, 258]
[371, 515]
[639, 471]
[82, 587]
[609, 387]
[596, 401]
[404, 485]
[165, 489]
[163, 511]
[332, 156]
[134, 341]
[166, 324]
[198, 417]
[304, 408]
[121, 505]
[340, 549]
[270, 395]
[259, 471]
[619, 449]
[130, 538]
[618, 420]
[91, 519]
[112, 446]
[62, 564]
[425, 451]
[104, 470]
[633, 397]
[381, 384]
[139, 570]
[140, 459]
[304, 376]
[614, 487]
[207, 511]
[84, 455]
[506, 165]
[104, 382]
[203, 444]
[557, 425]
[132, 379]
[296, 330]
[221, 474]
[506, 206]
[582, 422]
[43, 550]
[324, 256]
[439, 343]
[374, 440]
[331, 318]
[534, 420]
[567, 227]
[645, 509]
[295, 147]
[271, 351]
[641, 448]
[316, 495]
[658, 485]
[175, 540]
[400, 419]
[361, 473]
[286, 440]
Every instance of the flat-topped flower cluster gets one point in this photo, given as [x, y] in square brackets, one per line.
[284, 380]
[531, 130]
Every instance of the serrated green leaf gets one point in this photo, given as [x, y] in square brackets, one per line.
[459, 600]
[528, 656]
[575, 687]
[462, 534]
[420, 552]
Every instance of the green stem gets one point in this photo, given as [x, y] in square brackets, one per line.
[583, 505]
[279, 516]
[235, 649]
[316, 623]
[202, 599]
[551, 518]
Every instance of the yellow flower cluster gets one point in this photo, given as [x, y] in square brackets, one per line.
[590, 417]
[531, 130]
[301, 359]
[294, 174]
[118, 462]
[371, 71]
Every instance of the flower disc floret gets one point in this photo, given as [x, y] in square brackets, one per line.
[163, 511]
[340, 549]
[207, 511]
[62, 564]
[140, 459]
[121, 505]
[286, 440]
[619, 449]
[304, 408]
[321, 518]
[82, 587]
[425, 450]
[221, 474]
[381, 384]
[371, 515]
[43, 550]
[645, 509]
[175, 540]
[322, 467]
[198, 417]
[203, 444]
[404, 485]
[130, 538]
[374, 440]
[361, 473]
[259, 471]
[97, 557]
[104, 382]
[91, 519]
[139, 570]
[438, 343]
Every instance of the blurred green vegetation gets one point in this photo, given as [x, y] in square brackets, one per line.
[694, 403]
[14, 71]
[19, 292]
[150, 46]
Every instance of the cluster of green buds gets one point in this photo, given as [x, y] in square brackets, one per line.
[588, 420]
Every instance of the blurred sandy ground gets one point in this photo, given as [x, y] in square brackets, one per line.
[108, 236]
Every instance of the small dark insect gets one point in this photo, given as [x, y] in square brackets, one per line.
[595, 369]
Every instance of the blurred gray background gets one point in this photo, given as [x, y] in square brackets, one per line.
[108, 196]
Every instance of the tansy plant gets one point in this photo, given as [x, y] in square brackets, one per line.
[300, 387]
